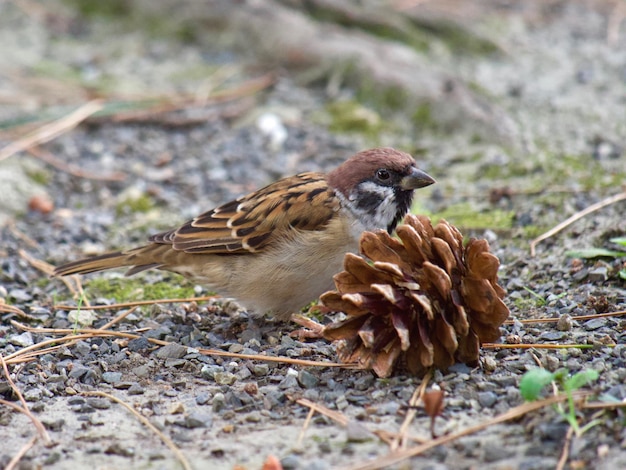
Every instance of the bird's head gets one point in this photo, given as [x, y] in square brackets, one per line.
[377, 186]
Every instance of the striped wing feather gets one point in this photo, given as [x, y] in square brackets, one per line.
[253, 222]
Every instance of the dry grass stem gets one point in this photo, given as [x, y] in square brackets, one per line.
[400, 440]
[24, 408]
[74, 170]
[565, 452]
[305, 426]
[166, 440]
[137, 303]
[52, 130]
[579, 215]
[577, 318]
[22, 452]
[543, 346]
[85, 333]
[404, 454]
[72, 282]
[17, 311]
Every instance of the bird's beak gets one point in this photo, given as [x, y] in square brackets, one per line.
[417, 179]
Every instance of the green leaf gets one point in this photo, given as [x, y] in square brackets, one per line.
[622, 274]
[533, 382]
[619, 241]
[595, 253]
[580, 379]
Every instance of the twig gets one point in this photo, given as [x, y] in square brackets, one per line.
[305, 426]
[73, 170]
[579, 215]
[20, 313]
[321, 409]
[72, 282]
[166, 440]
[576, 318]
[22, 452]
[565, 452]
[542, 346]
[91, 333]
[138, 303]
[400, 440]
[38, 425]
[403, 454]
[52, 130]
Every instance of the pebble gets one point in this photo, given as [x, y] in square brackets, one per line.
[19, 295]
[198, 420]
[208, 371]
[565, 323]
[98, 403]
[224, 378]
[487, 399]
[260, 370]
[82, 317]
[33, 394]
[553, 335]
[23, 340]
[595, 324]
[356, 432]
[599, 274]
[203, 398]
[139, 344]
[171, 351]
[112, 377]
[219, 402]
[307, 380]
[136, 389]
[291, 462]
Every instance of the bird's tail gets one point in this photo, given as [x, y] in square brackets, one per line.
[138, 260]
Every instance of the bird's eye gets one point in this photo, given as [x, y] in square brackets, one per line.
[383, 175]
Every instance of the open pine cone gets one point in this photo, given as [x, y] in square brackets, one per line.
[421, 301]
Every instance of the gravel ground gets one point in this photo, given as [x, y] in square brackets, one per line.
[560, 81]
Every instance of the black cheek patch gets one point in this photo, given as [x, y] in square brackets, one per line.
[368, 201]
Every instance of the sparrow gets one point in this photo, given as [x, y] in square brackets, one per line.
[277, 249]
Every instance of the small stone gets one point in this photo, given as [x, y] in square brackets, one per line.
[171, 351]
[20, 295]
[176, 408]
[291, 462]
[203, 398]
[490, 364]
[253, 417]
[82, 317]
[564, 323]
[99, 403]
[198, 420]
[33, 394]
[136, 389]
[225, 378]
[142, 371]
[261, 370]
[487, 399]
[219, 402]
[54, 425]
[119, 449]
[599, 274]
[112, 377]
[356, 432]
[139, 344]
[208, 371]
[307, 380]
[553, 335]
[23, 340]
[595, 323]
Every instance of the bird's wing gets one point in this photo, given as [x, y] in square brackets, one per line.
[254, 222]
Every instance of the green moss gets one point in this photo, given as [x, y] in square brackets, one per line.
[351, 116]
[464, 216]
[141, 203]
[108, 8]
[128, 289]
